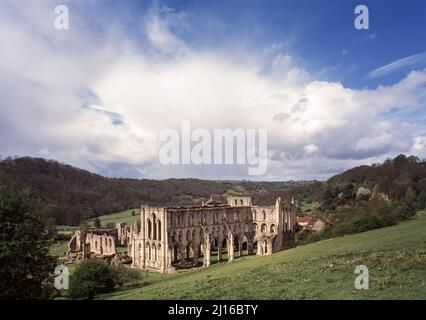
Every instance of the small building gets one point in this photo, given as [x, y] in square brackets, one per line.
[309, 222]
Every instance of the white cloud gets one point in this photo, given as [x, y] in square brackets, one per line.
[411, 61]
[100, 103]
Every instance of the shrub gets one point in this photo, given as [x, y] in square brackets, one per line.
[365, 223]
[127, 275]
[110, 225]
[93, 277]
[97, 223]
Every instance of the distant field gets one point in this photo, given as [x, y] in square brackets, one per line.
[58, 248]
[125, 216]
[395, 256]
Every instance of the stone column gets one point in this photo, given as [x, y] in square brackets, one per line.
[168, 258]
[196, 254]
[219, 252]
[269, 244]
[240, 247]
[230, 247]
[207, 251]
[260, 248]
[250, 247]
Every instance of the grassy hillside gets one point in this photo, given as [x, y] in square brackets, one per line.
[395, 256]
[124, 216]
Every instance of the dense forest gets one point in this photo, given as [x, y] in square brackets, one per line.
[366, 197]
[73, 195]
[381, 194]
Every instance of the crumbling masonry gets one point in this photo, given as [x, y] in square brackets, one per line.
[170, 238]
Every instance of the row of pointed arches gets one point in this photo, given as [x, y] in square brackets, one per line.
[153, 226]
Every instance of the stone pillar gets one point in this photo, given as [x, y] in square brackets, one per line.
[250, 247]
[269, 244]
[207, 251]
[219, 252]
[240, 247]
[169, 259]
[230, 247]
[260, 248]
[196, 254]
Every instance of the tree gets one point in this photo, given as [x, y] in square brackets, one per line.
[97, 223]
[27, 269]
[410, 196]
[93, 277]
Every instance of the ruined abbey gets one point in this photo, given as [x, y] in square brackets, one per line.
[171, 238]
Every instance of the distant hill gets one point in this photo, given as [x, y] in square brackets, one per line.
[400, 179]
[74, 195]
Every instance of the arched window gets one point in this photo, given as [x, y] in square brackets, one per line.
[159, 230]
[154, 227]
[272, 228]
[264, 215]
[263, 228]
[149, 229]
[241, 202]
[236, 202]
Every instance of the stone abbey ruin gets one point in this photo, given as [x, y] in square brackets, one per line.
[171, 238]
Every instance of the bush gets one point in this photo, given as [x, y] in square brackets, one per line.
[365, 223]
[110, 225]
[93, 277]
[127, 275]
[400, 211]
[342, 228]
[97, 223]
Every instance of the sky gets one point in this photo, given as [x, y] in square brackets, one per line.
[97, 96]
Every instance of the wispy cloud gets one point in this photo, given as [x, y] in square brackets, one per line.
[411, 61]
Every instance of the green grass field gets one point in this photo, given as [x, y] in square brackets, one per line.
[125, 216]
[395, 257]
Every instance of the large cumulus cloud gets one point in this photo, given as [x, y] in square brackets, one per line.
[98, 98]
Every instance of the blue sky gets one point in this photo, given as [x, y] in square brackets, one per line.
[98, 95]
[320, 33]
